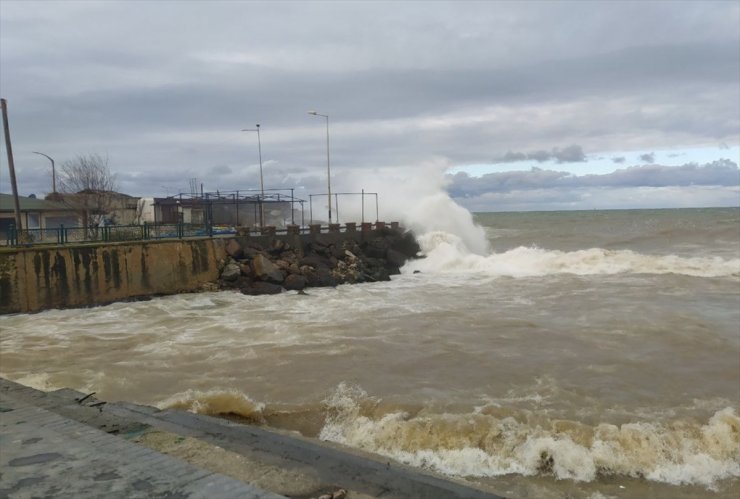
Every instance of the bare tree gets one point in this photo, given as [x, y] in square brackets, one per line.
[88, 186]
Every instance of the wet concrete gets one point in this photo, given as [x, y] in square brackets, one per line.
[66, 444]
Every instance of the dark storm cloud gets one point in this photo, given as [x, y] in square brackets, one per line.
[718, 173]
[570, 154]
[619, 160]
[648, 157]
[164, 92]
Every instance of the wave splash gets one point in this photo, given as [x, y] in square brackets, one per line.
[487, 444]
[217, 403]
[493, 441]
[448, 253]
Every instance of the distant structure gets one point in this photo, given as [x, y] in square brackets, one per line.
[231, 208]
[35, 214]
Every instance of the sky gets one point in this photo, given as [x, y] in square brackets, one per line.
[506, 106]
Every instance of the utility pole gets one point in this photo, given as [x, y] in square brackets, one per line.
[11, 165]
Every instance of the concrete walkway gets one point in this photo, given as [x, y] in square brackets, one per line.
[68, 444]
[43, 454]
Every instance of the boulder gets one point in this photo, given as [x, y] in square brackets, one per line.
[231, 272]
[320, 278]
[234, 249]
[252, 250]
[265, 270]
[262, 288]
[405, 244]
[295, 282]
[315, 261]
[395, 258]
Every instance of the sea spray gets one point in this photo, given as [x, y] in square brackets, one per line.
[416, 197]
[447, 253]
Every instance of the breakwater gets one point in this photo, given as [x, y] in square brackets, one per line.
[39, 278]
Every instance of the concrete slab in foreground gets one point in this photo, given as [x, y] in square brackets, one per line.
[66, 444]
[44, 454]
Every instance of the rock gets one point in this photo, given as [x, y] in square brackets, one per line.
[324, 261]
[320, 277]
[395, 258]
[234, 249]
[208, 286]
[252, 250]
[266, 270]
[336, 251]
[262, 288]
[315, 261]
[231, 272]
[405, 244]
[376, 248]
[295, 282]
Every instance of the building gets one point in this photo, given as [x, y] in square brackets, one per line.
[230, 209]
[35, 214]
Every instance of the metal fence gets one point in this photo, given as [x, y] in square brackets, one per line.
[147, 231]
[111, 233]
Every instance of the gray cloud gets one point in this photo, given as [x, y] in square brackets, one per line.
[408, 86]
[648, 157]
[720, 173]
[619, 160]
[570, 154]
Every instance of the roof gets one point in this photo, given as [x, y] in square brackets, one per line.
[31, 204]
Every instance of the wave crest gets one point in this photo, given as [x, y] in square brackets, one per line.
[216, 403]
[482, 444]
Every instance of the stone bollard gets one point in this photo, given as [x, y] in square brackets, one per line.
[394, 225]
[350, 226]
[268, 230]
[334, 228]
[379, 225]
[366, 227]
[314, 228]
[293, 230]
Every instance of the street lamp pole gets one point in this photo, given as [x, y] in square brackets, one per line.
[262, 182]
[53, 171]
[328, 164]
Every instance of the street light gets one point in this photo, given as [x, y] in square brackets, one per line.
[262, 183]
[328, 167]
[53, 171]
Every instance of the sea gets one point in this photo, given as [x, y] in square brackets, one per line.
[579, 354]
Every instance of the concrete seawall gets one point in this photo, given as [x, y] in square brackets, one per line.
[39, 278]
[79, 275]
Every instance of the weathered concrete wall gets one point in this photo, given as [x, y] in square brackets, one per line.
[33, 279]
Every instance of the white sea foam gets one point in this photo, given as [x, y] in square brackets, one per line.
[483, 445]
[447, 253]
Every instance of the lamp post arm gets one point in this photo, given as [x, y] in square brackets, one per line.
[53, 171]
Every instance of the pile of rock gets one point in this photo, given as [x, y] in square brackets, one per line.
[274, 264]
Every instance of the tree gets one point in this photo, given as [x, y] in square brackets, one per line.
[88, 186]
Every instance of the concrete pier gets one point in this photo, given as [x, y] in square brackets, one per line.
[68, 444]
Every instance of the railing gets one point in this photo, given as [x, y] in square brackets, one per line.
[109, 233]
[146, 231]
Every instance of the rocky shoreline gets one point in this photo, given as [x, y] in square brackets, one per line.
[279, 264]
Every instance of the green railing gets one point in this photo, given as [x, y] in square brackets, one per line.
[109, 233]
